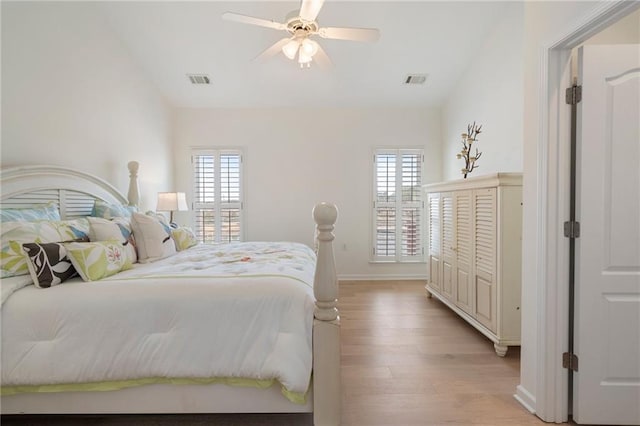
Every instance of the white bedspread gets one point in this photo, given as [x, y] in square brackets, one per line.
[243, 310]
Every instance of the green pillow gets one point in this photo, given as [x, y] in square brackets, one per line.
[184, 238]
[101, 259]
[13, 261]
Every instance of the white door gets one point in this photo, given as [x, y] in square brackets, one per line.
[607, 311]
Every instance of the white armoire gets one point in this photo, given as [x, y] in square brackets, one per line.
[474, 245]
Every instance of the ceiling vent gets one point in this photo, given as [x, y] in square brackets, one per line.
[415, 79]
[199, 78]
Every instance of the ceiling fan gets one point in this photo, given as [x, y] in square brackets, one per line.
[301, 27]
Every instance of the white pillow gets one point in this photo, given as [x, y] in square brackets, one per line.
[118, 228]
[153, 239]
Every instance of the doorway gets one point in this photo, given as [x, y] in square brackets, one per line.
[553, 319]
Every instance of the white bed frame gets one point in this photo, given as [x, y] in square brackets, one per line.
[75, 193]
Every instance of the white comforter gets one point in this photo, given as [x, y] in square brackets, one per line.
[243, 310]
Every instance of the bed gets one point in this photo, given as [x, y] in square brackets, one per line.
[210, 329]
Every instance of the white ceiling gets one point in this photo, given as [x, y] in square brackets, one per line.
[172, 39]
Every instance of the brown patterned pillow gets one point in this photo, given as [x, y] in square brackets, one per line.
[48, 263]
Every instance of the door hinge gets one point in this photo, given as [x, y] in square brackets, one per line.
[573, 95]
[571, 229]
[570, 361]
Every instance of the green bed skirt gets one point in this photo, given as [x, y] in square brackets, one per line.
[295, 397]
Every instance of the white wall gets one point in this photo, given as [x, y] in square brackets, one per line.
[490, 93]
[72, 96]
[298, 157]
[544, 22]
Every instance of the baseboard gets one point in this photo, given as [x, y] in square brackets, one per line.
[525, 398]
[378, 277]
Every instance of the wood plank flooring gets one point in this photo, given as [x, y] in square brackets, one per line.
[409, 360]
[406, 360]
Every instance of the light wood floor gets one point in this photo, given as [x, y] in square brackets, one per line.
[406, 360]
[409, 360]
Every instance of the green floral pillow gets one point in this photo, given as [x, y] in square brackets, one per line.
[13, 261]
[108, 210]
[47, 211]
[118, 228]
[97, 260]
[184, 238]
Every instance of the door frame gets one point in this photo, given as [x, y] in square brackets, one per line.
[552, 384]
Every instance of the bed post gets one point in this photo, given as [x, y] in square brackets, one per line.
[134, 194]
[326, 325]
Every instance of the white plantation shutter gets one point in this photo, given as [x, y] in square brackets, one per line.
[217, 200]
[398, 206]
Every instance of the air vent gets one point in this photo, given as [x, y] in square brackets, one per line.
[199, 78]
[415, 79]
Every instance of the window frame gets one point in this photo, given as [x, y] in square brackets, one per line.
[398, 205]
[217, 205]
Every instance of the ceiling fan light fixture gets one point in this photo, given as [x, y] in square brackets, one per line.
[304, 59]
[300, 26]
[309, 47]
[291, 49]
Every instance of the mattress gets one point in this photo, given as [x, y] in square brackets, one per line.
[237, 311]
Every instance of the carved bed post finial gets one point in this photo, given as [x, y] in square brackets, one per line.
[325, 286]
[326, 326]
[134, 194]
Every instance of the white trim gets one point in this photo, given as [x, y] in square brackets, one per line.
[484, 181]
[378, 277]
[552, 200]
[525, 398]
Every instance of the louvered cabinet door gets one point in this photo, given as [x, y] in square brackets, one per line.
[435, 239]
[448, 246]
[484, 255]
[463, 244]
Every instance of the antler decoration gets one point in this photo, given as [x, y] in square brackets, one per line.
[467, 140]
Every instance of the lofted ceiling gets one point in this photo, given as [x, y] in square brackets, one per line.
[170, 39]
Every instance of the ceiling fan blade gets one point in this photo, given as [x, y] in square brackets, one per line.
[354, 34]
[309, 9]
[244, 19]
[321, 58]
[273, 50]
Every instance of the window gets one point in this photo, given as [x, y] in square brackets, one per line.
[217, 195]
[397, 205]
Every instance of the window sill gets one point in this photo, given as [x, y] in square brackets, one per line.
[398, 262]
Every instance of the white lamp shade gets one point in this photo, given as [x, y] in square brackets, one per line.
[291, 49]
[309, 47]
[172, 202]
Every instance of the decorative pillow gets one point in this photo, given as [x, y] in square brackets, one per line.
[13, 260]
[48, 263]
[162, 218]
[108, 210]
[97, 260]
[184, 238]
[153, 238]
[118, 228]
[47, 211]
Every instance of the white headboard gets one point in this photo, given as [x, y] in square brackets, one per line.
[75, 192]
